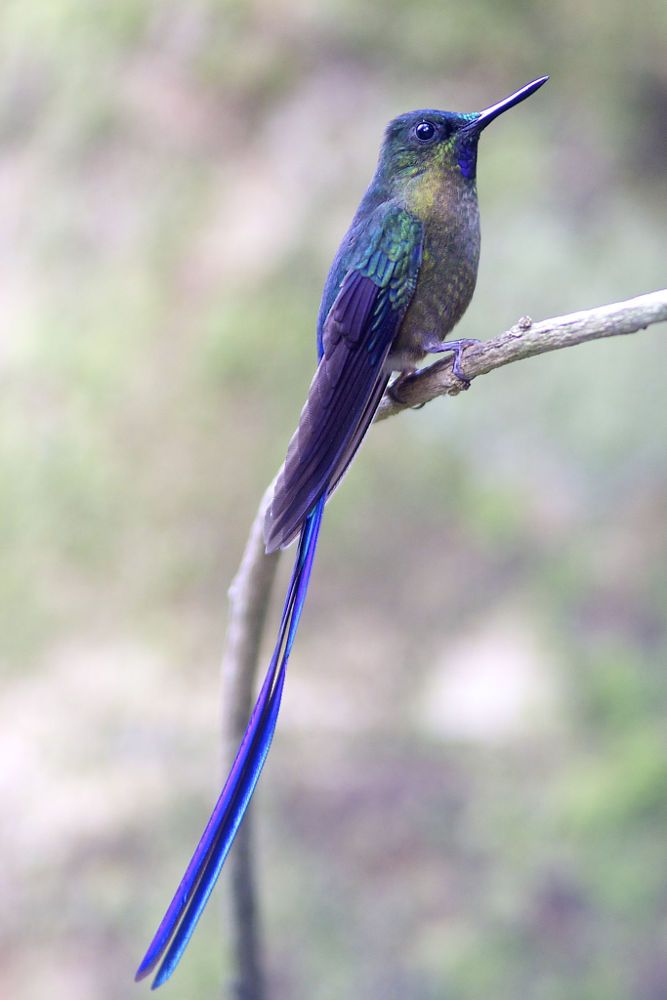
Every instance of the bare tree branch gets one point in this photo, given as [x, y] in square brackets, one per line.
[525, 340]
[250, 592]
[248, 601]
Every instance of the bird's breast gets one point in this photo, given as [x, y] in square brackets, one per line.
[450, 256]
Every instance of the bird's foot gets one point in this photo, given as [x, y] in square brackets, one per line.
[456, 347]
[393, 391]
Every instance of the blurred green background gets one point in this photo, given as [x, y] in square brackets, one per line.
[467, 797]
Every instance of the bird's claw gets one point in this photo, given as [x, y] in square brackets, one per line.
[455, 347]
[393, 390]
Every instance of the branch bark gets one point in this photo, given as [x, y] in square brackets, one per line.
[251, 589]
[526, 340]
[249, 596]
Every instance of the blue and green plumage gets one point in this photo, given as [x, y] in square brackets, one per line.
[402, 278]
[374, 284]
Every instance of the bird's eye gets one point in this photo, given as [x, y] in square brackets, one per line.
[425, 131]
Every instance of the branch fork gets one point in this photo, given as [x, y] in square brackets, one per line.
[251, 589]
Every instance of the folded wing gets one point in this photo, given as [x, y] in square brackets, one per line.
[350, 378]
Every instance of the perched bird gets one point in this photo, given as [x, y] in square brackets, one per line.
[402, 278]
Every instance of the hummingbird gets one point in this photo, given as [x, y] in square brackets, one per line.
[401, 280]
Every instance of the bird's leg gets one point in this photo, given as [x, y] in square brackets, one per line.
[395, 387]
[433, 346]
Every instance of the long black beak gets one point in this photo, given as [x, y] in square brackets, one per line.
[485, 117]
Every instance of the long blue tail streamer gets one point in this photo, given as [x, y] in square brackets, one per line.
[185, 909]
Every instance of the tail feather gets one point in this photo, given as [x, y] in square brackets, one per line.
[185, 909]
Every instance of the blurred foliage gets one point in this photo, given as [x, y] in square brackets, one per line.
[173, 182]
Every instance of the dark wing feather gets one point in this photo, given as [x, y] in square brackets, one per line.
[350, 379]
[359, 434]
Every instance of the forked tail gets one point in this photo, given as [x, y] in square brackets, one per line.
[185, 909]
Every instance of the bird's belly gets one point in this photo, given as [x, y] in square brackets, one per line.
[444, 289]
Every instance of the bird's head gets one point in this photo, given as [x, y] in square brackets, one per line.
[421, 141]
